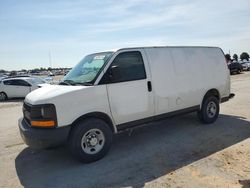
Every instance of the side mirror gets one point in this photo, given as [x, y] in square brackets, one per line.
[112, 73]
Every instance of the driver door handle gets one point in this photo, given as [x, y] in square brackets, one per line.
[149, 86]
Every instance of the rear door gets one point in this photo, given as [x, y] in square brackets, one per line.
[23, 88]
[129, 89]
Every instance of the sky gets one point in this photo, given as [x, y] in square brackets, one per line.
[60, 33]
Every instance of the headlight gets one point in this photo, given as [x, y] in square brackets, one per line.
[40, 115]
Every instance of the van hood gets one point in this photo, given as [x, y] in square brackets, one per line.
[47, 94]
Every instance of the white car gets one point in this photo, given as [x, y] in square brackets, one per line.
[2, 77]
[112, 91]
[18, 87]
[246, 66]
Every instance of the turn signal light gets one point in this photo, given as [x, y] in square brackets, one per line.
[43, 123]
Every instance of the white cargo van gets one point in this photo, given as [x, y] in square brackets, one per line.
[108, 92]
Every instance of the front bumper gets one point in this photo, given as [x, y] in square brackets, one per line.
[41, 138]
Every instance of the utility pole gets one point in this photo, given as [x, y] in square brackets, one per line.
[50, 61]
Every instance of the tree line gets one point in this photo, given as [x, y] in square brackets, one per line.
[243, 56]
[36, 69]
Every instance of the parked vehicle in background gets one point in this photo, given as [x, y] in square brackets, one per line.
[2, 77]
[66, 72]
[48, 79]
[112, 91]
[50, 73]
[246, 66]
[235, 68]
[17, 87]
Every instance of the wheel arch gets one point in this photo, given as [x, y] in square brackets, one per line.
[211, 92]
[98, 115]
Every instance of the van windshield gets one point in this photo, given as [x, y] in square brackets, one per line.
[86, 71]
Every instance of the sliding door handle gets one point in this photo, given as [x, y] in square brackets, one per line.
[149, 86]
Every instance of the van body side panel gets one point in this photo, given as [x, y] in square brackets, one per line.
[215, 71]
[181, 76]
[189, 76]
[223, 71]
[163, 79]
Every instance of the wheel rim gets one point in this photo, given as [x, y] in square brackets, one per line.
[211, 109]
[93, 141]
[2, 96]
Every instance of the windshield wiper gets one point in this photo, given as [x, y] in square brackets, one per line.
[67, 82]
[71, 82]
[86, 84]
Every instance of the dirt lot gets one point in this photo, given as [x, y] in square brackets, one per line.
[176, 152]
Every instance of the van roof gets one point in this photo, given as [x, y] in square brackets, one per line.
[146, 47]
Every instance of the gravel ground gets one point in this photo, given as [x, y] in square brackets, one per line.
[176, 152]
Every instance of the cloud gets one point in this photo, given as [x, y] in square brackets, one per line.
[164, 16]
[71, 29]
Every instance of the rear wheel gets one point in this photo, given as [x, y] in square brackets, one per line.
[209, 111]
[3, 96]
[90, 140]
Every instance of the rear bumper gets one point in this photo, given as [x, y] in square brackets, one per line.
[40, 138]
[225, 99]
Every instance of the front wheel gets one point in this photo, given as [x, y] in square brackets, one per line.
[90, 140]
[209, 111]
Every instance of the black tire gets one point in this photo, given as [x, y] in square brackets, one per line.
[83, 131]
[210, 109]
[3, 96]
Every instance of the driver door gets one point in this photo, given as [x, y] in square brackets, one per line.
[129, 87]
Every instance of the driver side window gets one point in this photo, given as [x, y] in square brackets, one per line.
[127, 66]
